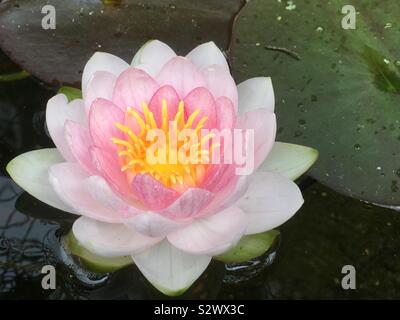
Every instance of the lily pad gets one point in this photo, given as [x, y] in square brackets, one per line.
[121, 27]
[249, 247]
[71, 93]
[337, 90]
[14, 76]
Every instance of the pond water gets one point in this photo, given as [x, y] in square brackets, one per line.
[330, 231]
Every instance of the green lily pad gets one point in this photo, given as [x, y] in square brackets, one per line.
[14, 76]
[119, 27]
[336, 90]
[91, 261]
[71, 93]
[249, 247]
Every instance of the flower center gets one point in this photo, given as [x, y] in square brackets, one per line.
[176, 152]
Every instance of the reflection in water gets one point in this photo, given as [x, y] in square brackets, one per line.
[23, 250]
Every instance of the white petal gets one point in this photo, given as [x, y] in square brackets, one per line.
[110, 239]
[169, 269]
[30, 171]
[289, 160]
[153, 224]
[206, 55]
[240, 189]
[256, 93]
[58, 111]
[221, 84]
[102, 61]
[69, 181]
[212, 235]
[101, 85]
[152, 56]
[228, 196]
[101, 192]
[263, 123]
[270, 201]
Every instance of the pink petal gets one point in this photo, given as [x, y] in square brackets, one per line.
[201, 98]
[68, 180]
[218, 176]
[222, 181]
[189, 204]
[270, 201]
[226, 115]
[102, 61]
[102, 118]
[100, 86]
[108, 165]
[171, 96]
[221, 84]
[263, 122]
[181, 74]
[153, 224]
[133, 87]
[212, 235]
[79, 141]
[58, 111]
[153, 194]
[110, 240]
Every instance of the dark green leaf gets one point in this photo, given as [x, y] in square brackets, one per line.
[336, 90]
[122, 27]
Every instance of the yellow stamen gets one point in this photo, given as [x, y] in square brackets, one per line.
[200, 124]
[164, 112]
[149, 116]
[130, 133]
[191, 118]
[122, 143]
[132, 150]
[138, 118]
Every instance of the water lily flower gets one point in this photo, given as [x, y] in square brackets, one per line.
[170, 219]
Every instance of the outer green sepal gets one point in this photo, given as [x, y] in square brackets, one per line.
[91, 261]
[249, 247]
[71, 93]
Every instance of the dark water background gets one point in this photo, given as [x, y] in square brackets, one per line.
[330, 231]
